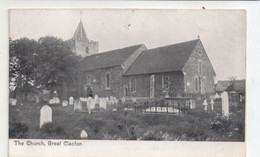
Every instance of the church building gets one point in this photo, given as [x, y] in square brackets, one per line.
[135, 71]
[81, 45]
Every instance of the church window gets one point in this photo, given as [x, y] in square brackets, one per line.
[199, 66]
[165, 82]
[133, 84]
[88, 79]
[107, 80]
[196, 82]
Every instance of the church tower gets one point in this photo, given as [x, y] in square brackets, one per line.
[81, 44]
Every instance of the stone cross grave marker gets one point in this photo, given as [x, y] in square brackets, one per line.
[225, 104]
[205, 105]
[45, 115]
[212, 104]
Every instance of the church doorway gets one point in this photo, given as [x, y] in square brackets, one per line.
[89, 92]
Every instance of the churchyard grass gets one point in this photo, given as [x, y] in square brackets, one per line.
[196, 125]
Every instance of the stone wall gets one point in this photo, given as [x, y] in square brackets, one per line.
[98, 82]
[191, 70]
[176, 85]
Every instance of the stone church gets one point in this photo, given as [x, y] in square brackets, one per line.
[81, 45]
[135, 71]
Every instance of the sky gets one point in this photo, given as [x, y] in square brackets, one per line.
[222, 32]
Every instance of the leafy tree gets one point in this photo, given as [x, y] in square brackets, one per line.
[58, 64]
[23, 60]
[44, 64]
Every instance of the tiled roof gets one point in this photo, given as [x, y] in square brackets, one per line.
[162, 59]
[80, 33]
[108, 59]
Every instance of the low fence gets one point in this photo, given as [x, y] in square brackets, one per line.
[168, 106]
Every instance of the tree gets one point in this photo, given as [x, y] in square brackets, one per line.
[23, 61]
[44, 64]
[58, 64]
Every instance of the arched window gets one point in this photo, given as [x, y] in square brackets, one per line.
[132, 84]
[165, 82]
[196, 82]
[89, 80]
[199, 66]
[107, 80]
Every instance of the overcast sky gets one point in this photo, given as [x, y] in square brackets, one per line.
[222, 32]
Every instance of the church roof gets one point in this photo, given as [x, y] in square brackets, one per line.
[80, 33]
[108, 59]
[163, 59]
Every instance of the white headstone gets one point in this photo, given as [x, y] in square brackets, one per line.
[134, 100]
[13, 102]
[71, 100]
[170, 110]
[205, 105]
[45, 115]
[216, 96]
[164, 109]
[96, 97]
[107, 99]
[103, 104]
[225, 104]
[83, 134]
[212, 104]
[123, 100]
[65, 103]
[77, 105]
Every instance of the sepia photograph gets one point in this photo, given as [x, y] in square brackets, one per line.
[127, 74]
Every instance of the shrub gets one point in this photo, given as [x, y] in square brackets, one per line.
[18, 130]
[52, 130]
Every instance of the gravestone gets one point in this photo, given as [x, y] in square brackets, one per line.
[217, 96]
[83, 134]
[13, 102]
[123, 100]
[71, 100]
[205, 105]
[77, 105]
[102, 103]
[45, 115]
[96, 97]
[170, 110]
[164, 109]
[152, 109]
[225, 104]
[212, 104]
[65, 103]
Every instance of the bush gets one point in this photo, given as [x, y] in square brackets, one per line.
[18, 130]
[52, 130]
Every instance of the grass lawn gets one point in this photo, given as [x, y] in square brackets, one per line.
[66, 124]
